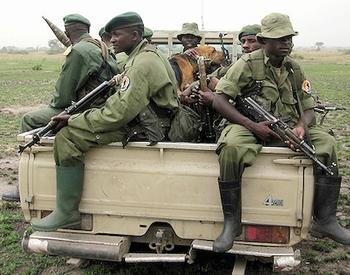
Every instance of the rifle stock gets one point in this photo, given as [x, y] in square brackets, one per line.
[75, 108]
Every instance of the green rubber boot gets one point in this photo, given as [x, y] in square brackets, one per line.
[69, 188]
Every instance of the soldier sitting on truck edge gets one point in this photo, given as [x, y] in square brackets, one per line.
[282, 91]
[84, 69]
[148, 87]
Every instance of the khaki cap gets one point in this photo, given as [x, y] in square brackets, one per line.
[189, 28]
[276, 25]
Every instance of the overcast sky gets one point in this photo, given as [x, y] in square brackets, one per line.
[316, 20]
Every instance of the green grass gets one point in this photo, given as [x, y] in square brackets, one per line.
[12, 259]
[21, 85]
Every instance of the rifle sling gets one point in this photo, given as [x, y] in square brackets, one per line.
[299, 106]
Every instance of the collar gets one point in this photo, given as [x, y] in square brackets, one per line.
[83, 36]
[267, 60]
[135, 52]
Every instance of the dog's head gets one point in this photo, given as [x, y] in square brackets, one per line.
[209, 52]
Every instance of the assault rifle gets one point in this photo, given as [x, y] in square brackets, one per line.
[324, 109]
[75, 108]
[224, 50]
[204, 111]
[250, 107]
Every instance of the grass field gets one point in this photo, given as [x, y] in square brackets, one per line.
[28, 80]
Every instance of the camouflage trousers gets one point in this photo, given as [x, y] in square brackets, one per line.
[238, 148]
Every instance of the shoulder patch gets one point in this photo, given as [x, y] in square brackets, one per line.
[124, 83]
[68, 50]
[306, 86]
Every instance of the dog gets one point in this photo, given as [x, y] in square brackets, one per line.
[186, 68]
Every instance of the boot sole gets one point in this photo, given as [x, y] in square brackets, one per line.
[11, 199]
[326, 235]
[73, 225]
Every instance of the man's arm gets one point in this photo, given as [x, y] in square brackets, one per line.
[304, 121]
[227, 110]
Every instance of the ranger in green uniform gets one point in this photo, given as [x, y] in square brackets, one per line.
[249, 42]
[84, 69]
[145, 100]
[189, 36]
[147, 34]
[284, 88]
[105, 37]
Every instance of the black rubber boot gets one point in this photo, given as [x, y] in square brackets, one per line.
[11, 195]
[230, 193]
[325, 207]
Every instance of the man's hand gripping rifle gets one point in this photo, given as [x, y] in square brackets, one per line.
[253, 109]
[75, 108]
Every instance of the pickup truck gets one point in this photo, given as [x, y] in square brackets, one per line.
[166, 197]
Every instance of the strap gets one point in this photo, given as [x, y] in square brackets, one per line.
[100, 44]
[255, 62]
[296, 96]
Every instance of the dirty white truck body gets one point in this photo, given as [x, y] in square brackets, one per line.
[167, 196]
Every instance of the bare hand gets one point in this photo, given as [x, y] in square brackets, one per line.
[62, 121]
[263, 131]
[299, 131]
[190, 94]
[192, 53]
[206, 97]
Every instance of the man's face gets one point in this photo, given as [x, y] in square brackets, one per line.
[189, 41]
[123, 40]
[250, 43]
[278, 47]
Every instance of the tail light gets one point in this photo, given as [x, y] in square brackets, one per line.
[267, 234]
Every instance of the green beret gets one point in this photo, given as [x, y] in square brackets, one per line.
[276, 25]
[124, 20]
[249, 30]
[75, 18]
[103, 32]
[147, 33]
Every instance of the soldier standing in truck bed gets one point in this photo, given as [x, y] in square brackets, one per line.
[86, 66]
[285, 92]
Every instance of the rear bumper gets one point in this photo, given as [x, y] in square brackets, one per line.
[284, 258]
[116, 248]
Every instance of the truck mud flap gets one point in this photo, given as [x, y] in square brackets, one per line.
[283, 258]
[77, 245]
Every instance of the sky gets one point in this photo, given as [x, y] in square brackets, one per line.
[327, 21]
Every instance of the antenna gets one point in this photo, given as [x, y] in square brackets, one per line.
[202, 12]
